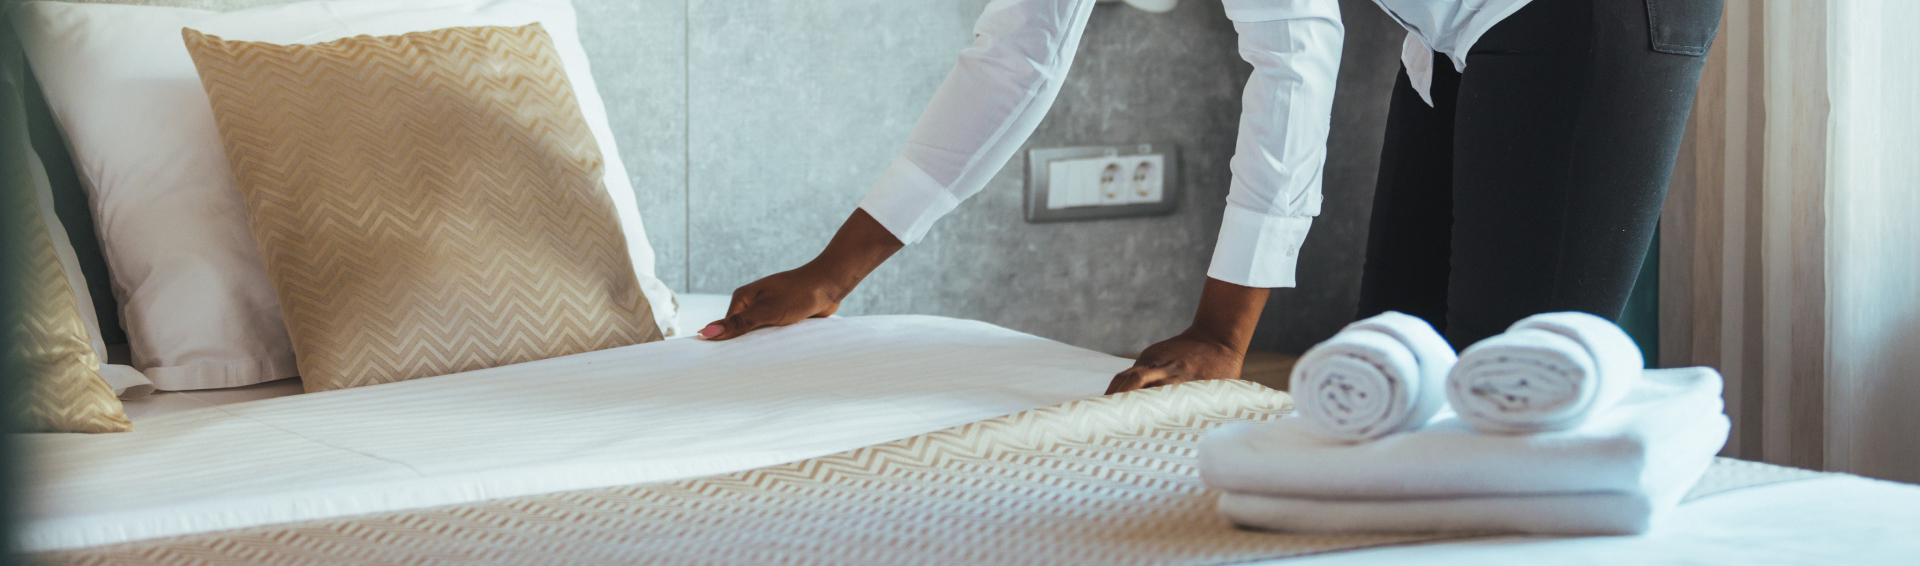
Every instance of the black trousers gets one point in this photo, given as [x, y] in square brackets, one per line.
[1535, 181]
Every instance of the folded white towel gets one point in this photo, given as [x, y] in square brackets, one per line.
[1547, 372]
[1603, 513]
[1376, 377]
[1669, 425]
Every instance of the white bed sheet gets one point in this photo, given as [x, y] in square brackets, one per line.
[653, 412]
[695, 309]
[686, 408]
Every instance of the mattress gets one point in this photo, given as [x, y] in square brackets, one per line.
[653, 412]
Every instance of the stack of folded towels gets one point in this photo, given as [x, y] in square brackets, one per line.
[1553, 429]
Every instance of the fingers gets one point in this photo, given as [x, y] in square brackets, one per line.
[1138, 377]
[739, 320]
[776, 300]
[733, 326]
[713, 330]
[742, 297]
[717, 330]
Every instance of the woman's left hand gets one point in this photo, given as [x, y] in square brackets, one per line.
[1180, 359]
[1213, 347]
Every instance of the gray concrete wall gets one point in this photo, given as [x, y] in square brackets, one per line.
[751, 129]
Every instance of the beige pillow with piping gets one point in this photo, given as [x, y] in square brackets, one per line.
[426, 203]
[64, 391]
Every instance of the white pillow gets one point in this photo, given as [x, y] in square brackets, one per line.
[194, 295]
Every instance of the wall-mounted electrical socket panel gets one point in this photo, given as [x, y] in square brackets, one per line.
[1088, 182]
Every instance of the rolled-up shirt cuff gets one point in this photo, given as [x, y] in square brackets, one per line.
[1258, 250]
[907, 201]
[1249, 11]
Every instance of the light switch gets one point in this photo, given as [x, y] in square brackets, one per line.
[1060, 176]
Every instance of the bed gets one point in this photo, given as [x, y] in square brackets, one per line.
[689, 409]
[845, 440]
[516, 437]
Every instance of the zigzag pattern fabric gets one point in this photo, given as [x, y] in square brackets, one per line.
[64, 391]
[426, 204]
[1109, 480]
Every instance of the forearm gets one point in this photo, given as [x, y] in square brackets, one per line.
[860, 246]
[1228, 314]
[998, 92]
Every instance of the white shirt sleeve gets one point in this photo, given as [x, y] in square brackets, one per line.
[1004, 83]
[1294, 46]
[994, 98]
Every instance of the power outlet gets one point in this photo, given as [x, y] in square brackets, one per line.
[1148, 183]
[1100, 182]
[1115, 187]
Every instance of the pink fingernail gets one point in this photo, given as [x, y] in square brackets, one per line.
[711, 330]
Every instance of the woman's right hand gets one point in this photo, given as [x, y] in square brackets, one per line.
[780, 299]
[813, 290]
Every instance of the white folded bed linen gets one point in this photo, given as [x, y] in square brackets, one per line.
[653, 412]
[1674, 417]
[1603, 513]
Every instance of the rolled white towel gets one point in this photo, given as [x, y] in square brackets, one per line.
[1669, 425]
[1430, 350]
[1548, 372]
[1379, 376]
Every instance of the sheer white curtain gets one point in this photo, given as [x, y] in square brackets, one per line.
[1873, 239]
[1791, 246]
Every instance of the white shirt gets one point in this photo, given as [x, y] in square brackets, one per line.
[1448, 26]
[1004, 83]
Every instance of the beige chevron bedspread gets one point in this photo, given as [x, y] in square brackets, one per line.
[1101, 481]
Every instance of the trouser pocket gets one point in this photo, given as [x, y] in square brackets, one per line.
[1683, 27]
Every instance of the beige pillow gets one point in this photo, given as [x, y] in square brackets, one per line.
[64, 391]
[426, 203]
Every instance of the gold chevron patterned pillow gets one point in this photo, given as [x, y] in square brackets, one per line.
[64, 391]
[426, 203]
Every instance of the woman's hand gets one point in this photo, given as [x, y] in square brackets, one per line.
[1180, 359]
[1214, 347]
[813, 290]
[780, 299]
